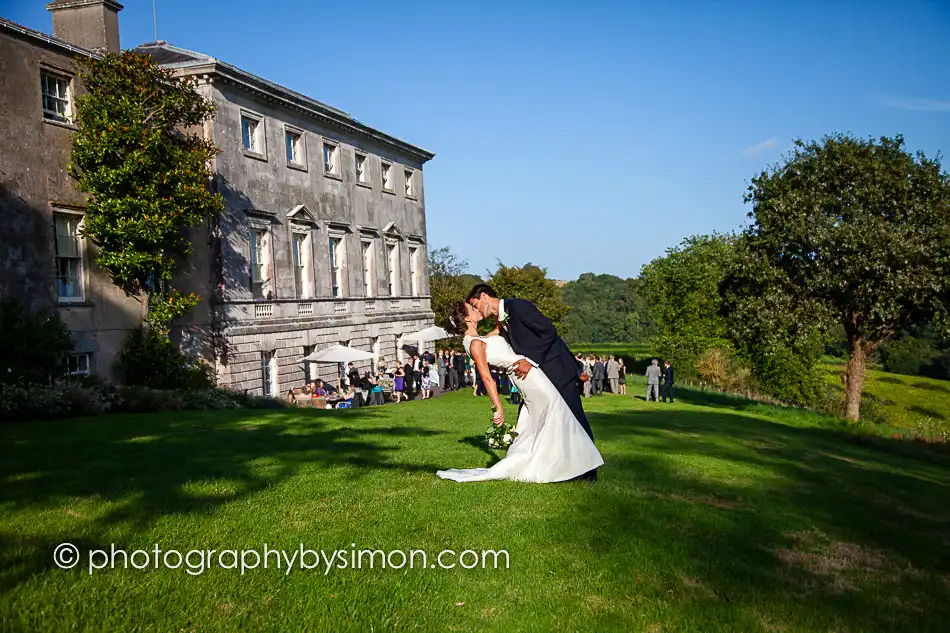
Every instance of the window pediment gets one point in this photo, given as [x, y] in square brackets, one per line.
[391, 230]
[302, 215]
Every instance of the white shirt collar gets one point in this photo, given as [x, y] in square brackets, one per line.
[501, 311]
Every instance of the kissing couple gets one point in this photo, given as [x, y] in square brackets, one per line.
[554, 440]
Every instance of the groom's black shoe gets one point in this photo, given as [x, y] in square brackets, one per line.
[590, 477]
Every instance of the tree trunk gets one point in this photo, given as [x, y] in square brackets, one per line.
[854, 379]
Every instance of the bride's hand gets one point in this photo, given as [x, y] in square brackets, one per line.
[499, 418]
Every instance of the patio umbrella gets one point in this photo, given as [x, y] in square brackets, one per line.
[431, 333]
[338, 354]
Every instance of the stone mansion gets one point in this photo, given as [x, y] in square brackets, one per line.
[323, 240]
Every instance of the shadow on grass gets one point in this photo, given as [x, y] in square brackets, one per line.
[148, 465]
[929, 412]
[758, 525]
[929, 386]
[478, 441]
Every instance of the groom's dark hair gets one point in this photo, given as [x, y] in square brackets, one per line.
[479, 289]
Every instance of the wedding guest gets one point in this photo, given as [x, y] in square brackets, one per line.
[613, 375]
[667, 388]
[425, 381]
[653, 380]
[586, 370]
[417, 372]
[399, 384]
[623, 376]
[598, 377]
[409, 380]
[443, 372]
[385, 382]
[452, 366]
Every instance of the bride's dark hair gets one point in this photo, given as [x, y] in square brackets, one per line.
[455, 322]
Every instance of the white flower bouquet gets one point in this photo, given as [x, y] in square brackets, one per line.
[499, 436]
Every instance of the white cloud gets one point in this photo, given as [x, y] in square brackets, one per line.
[754, 150]
[918, 105]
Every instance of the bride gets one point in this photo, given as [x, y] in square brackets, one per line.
[551, 445]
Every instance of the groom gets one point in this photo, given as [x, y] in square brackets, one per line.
[532, 334]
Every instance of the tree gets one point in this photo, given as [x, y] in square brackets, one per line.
[530, 282]
[851, 232]
[146, 170]
[682, 289]
[773, 332]
[447, 282]
[606, 309]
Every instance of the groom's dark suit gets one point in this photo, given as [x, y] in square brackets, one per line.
[532, 334]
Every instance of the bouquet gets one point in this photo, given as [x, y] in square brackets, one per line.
[500, 436]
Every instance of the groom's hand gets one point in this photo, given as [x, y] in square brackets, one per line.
[522, 367]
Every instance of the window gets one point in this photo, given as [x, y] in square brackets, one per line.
[393, 269]
[413, 265]
[369, 272]
[69, 285]
[309, 367]
[294, 146]
[409, 190]
[269, 385]
[55, 97]
[387, 180]
[259, 261]
[330, 162]
[78, 364]
[360, 168]
[336, 266]
[302, 268]
[252, 134]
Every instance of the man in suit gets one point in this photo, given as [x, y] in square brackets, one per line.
[667, 387]
[598, 376]
[532, 334]
[613, 375]
[443, 371]
[653, 380]
[410, 379]
[458, 362]
[353, 376]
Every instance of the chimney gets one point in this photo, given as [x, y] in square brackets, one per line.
[92, 24]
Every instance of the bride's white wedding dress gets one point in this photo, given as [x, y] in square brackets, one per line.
[551, 444]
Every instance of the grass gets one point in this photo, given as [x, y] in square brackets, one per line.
[710, 515]
[905, 402]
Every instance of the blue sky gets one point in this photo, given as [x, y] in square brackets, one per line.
[584, 136]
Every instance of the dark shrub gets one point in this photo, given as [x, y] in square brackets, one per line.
[33, 345]
[149, 359]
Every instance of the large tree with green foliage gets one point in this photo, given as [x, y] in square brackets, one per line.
[531, 282]
[851, 232]
[682, 289]
[606, 309]
[139, 153]
[448, 282]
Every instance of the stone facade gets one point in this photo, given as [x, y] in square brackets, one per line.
[269, 293]
[280, 189]
[35, 188]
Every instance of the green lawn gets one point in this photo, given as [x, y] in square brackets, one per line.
[710, 515]
[907, 402]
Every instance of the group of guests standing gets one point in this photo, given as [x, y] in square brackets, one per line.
[600, 371]
[420, 374]
[449, 370]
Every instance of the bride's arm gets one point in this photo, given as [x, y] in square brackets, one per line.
[477, 350]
